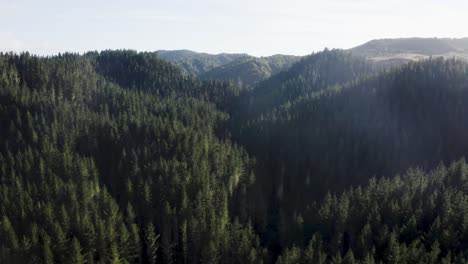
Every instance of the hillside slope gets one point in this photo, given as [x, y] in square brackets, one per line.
[243, 69]
[394, 52]
[120, 157]
[197, 63]
[249, 71]
[112, 157]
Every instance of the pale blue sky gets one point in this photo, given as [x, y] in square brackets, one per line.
[258, 27]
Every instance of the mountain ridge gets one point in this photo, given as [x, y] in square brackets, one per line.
[393, 52]
[242, 68]
[250, 70]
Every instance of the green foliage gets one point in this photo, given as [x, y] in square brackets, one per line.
[76, 255]
[248, 71]
[98, 152]
[119, 157]
[243, 69]
[379, 234]
[194, 63]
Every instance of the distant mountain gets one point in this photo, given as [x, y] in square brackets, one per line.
[197, 63]
[245, 69]
[311, 74]
[251, 70]
[391, 52]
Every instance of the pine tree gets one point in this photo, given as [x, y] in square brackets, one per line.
[349, 258]
[433, 256]
[8, 233]
[393, 251]
[211, 254]
[47, 250]
[151, 243]
[115, 255]
[76, 255]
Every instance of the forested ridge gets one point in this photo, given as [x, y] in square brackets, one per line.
[104, 166]
[244, 69]
[195, 63]
[120, 157]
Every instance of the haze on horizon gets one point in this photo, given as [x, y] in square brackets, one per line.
[260, 28]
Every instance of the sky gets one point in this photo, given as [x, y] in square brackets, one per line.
[257, 27]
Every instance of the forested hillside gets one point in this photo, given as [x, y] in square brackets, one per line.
[243, 69]
[121, 157]
[413, 218]
[112, 158]
[311, 74]
[248, 71]
[328, 136]
[423, 46]
[194, 63]
[396, 52]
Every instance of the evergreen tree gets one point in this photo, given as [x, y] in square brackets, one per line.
[76, 252]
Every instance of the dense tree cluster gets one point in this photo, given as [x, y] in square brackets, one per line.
[313, 73]
[120, 157]
[195, 63]
[248, 71]
[112, 158]
[413, 218]
[243, 69]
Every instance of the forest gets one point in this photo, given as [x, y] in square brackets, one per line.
[122, 157]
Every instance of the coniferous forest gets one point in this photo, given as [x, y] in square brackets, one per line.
[121, 157]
